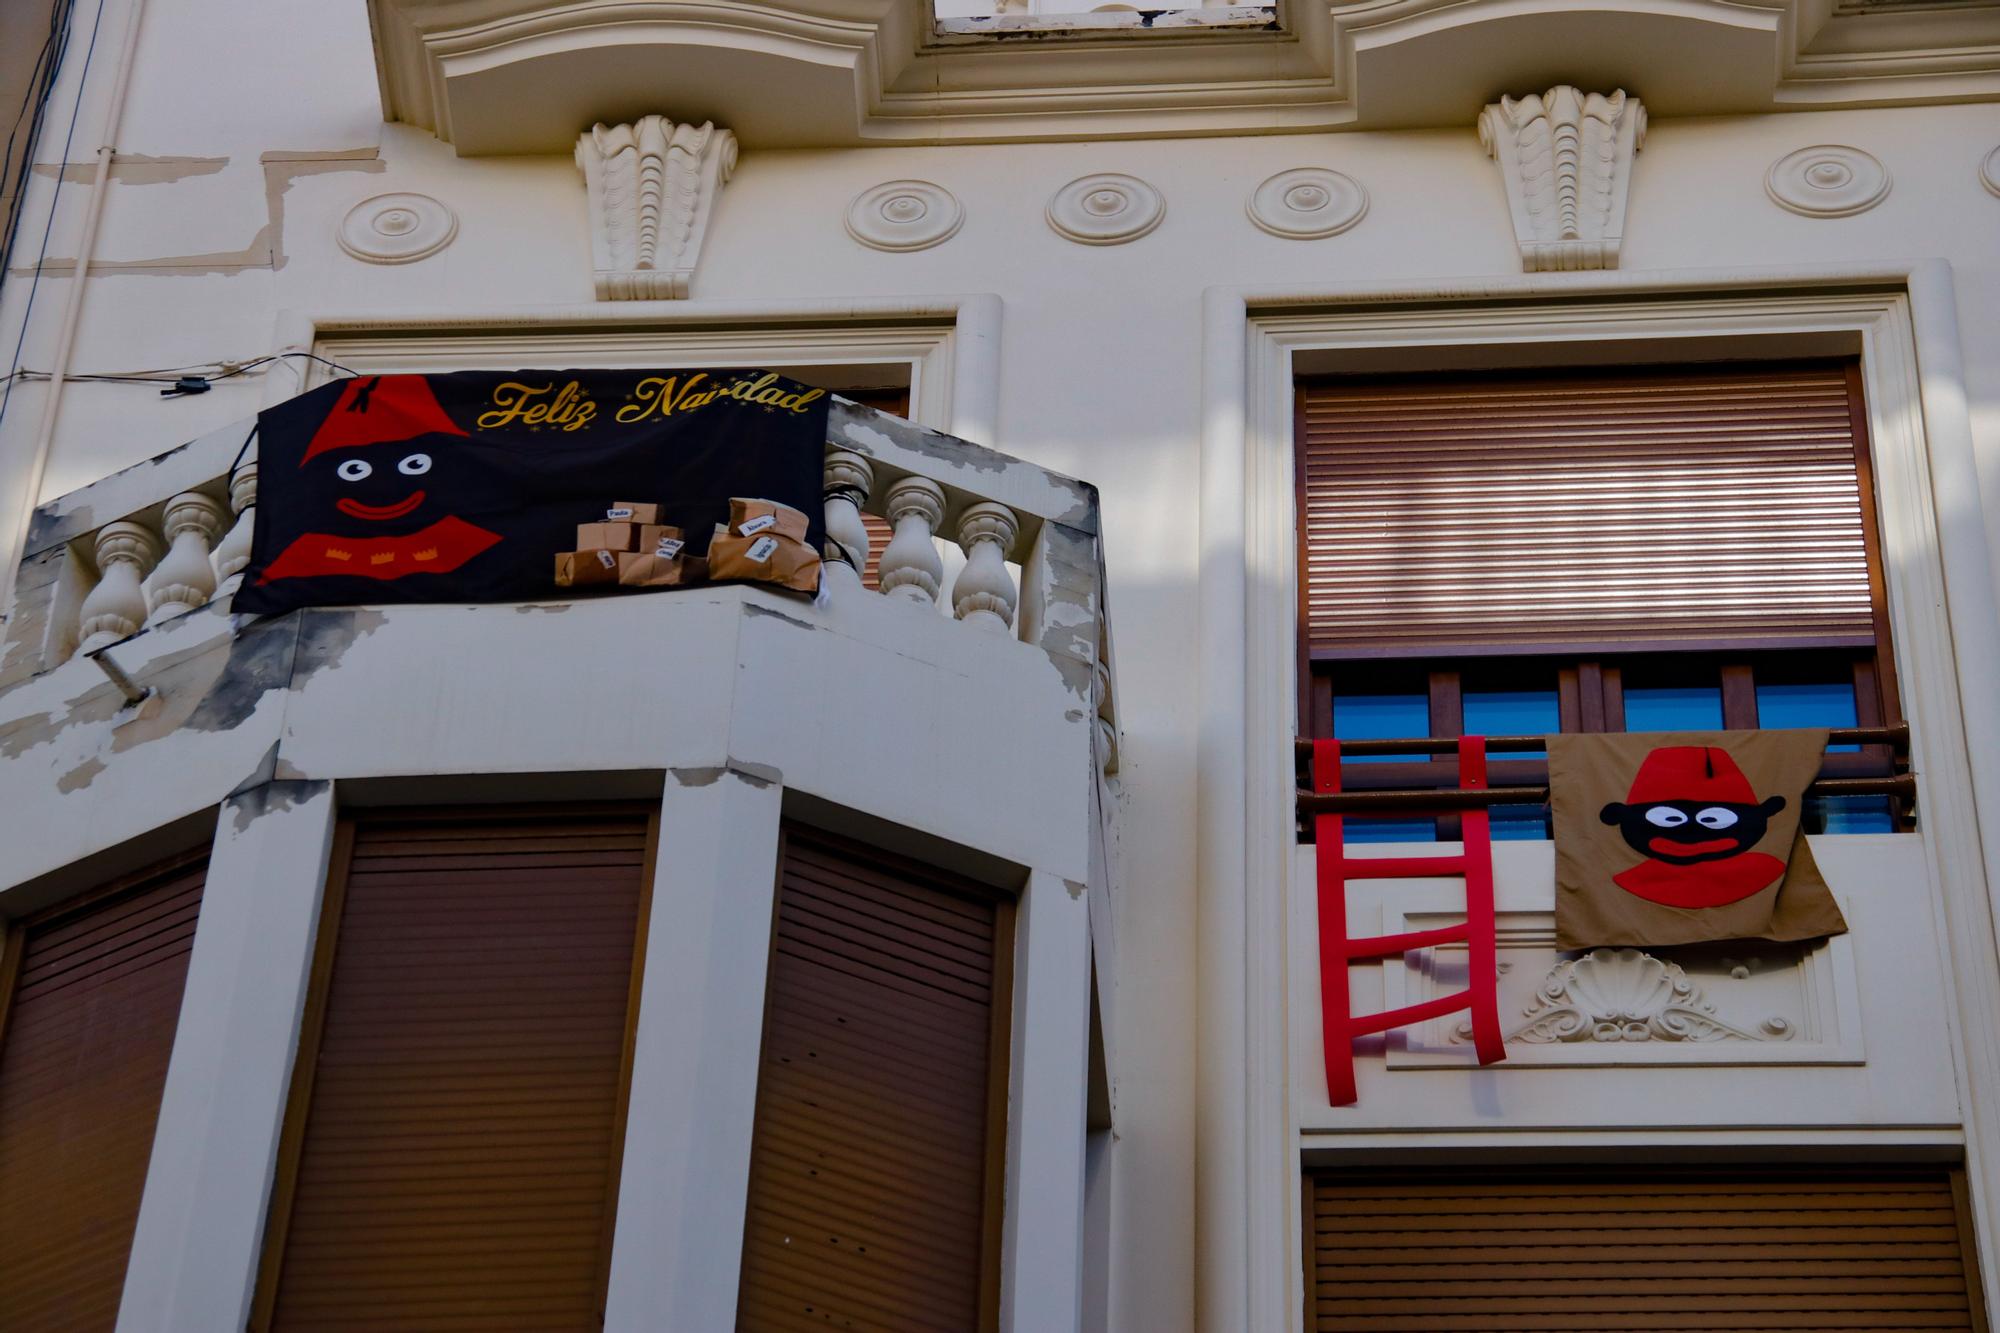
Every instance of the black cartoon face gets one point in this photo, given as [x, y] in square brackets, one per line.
[379, 486]
[1687, 833]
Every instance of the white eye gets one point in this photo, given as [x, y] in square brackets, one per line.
[415, 465]
[1665, 816]
[1716, 817]
[353, 470]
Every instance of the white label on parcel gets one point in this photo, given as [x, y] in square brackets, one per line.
[761, 550]
[752, 526]
[668, 548]
[608, 560]
[619, 511]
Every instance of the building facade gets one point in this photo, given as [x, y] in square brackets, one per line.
[946, 953]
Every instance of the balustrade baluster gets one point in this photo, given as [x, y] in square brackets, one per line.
[185, 579]
[232, 554]
[125, 553]
[848, 482]
[984, 594]
[911, 568]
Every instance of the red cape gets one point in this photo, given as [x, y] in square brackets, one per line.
[437, 549]
[1709, 884]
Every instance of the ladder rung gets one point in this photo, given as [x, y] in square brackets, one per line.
[1384, 945]
[1410, 1013]
[1401, 867]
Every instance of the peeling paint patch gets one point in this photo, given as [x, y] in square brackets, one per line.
[266, 769]
[136, 169]
[79, 777]
[267, 248]
[757, 775]
[544, 608]
[697, 777]
[325, 637]
[1075, 889]
[273, 798]
[752, 609]
[24, 734]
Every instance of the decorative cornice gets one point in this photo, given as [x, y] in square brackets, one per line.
[1619, 995]
[1566, 159]
[397, 228]
[1106, 209]
[1307, 203]
[904, 215]
[652, 189]
[1827, 181]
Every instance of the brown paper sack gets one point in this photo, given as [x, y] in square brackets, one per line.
[580, 569]
[1668, 838]
[767, 558]
[643, 569]
[607, 536]
[760, 516]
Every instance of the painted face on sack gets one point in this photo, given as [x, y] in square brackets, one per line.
[1685, 833]
[385, 491]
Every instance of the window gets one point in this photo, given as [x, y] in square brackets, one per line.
[1621, 550]
[90, 996]
[1808, 1247]
[875, 1175]
[450, 1153]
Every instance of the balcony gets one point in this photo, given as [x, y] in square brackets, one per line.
[1841, 1036]
[977, 710]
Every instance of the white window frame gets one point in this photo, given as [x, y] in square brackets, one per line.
[1901, 320]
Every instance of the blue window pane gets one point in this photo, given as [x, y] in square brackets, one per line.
[1674, 708]
[1519, 823]
[1848, 814]
[1380, 717]
[1511, 713]
[1820, 704]
[1357, 830]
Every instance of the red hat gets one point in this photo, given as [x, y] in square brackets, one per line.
[381, 409]
[1690, 773]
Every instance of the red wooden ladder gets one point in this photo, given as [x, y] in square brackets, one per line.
[1340, 1025]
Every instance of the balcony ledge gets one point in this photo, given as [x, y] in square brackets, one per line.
[526, 76]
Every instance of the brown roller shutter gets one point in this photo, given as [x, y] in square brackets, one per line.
[1586, 511]
[874, 1194]
[451, 1150]
[1812, 1249]
[96, 996]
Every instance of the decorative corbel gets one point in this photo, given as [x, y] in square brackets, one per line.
[1566, 158]
[652, 189]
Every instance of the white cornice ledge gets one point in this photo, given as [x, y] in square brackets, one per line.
[1566, 157]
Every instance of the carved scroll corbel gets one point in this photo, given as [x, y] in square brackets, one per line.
[1566, 159]
[652, 188]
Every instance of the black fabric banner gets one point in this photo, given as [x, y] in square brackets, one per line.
[502, 486]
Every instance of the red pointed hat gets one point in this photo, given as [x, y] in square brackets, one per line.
[1690, 773]
[381, 409]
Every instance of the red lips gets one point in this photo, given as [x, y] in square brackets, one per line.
[1668, 847]
[377, 513]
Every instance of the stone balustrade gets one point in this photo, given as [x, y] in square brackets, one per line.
[1029, 539]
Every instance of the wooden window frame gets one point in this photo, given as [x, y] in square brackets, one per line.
[312, 1027]
[999, 1052]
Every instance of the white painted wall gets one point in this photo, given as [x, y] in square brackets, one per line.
[1100, 374]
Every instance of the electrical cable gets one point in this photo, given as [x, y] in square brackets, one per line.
[49, 224]
[41, 87]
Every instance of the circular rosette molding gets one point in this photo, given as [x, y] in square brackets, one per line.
[1989, 171]
[1106, 209]
[397, 228]
[1827, 181]
[904, 215]
[1307, 203]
